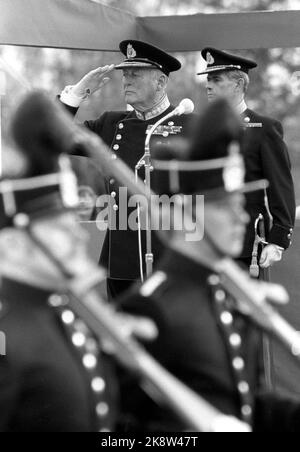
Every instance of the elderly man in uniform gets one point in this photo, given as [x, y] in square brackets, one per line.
[204, 338]
[146, 72]
[266, 156]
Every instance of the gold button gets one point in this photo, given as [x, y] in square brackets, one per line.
[243, 387]
[55, 301]
[116, 147]
[115, 207]
[214, 280]
[102, 409]
[226, 318]
[121, 125]
[112, 181]
[98, 384]
[247, 119]
[246, 410]
[220, 295]
[114, 157]
[238, 363]
[89, 361]
[119, 137]
[68, 317]
[78, 339]
[235, 340]
[113, 194]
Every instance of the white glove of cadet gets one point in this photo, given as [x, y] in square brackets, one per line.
[270, 255]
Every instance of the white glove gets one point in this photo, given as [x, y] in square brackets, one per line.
[93, 81]
[270, 254]
[73, 95]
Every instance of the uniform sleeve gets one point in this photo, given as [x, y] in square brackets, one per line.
[8, 392]
[281, 195]
[94, 125]
[275, 413]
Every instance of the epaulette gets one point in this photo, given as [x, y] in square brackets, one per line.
[153, 284]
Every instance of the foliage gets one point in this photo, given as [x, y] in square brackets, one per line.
[271, 91]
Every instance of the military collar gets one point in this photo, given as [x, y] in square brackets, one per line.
[12, 290]
[241, 107]
[155, 111]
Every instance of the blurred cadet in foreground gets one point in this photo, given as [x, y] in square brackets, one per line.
[53, 377]
[266, 156]
[205, 336]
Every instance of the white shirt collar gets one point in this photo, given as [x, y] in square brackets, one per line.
[155, 111]
[241, 107]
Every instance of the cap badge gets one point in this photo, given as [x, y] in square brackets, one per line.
[131, 53]
[234, 171]
[209, 58]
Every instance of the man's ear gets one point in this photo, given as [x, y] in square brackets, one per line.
[240, 85]
[162, 81]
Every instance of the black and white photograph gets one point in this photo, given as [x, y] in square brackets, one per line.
[149, 219]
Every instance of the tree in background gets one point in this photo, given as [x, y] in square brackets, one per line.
[271, 91]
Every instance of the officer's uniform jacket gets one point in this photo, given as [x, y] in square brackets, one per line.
[266, 157]
[125, 133]
[52, 378]
[205, 343]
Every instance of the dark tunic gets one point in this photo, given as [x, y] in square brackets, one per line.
[44, 386]
[125, 134]
[266, 157]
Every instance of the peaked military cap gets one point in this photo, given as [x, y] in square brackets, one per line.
[140, 54]
[48, 184]
[211, 163]
[218, 61]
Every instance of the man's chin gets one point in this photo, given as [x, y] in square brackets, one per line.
[130, 99]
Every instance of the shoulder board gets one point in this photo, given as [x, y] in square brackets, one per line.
[153, 284]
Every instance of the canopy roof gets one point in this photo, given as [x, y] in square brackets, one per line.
[86, 24]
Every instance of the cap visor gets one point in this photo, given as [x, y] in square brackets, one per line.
[219, 69]
[135, 65]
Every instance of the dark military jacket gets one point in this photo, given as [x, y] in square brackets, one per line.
[205, 343]
[125, 134]
[266, 157]
[52, 378]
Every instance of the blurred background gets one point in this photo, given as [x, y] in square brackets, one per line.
[274, 89]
